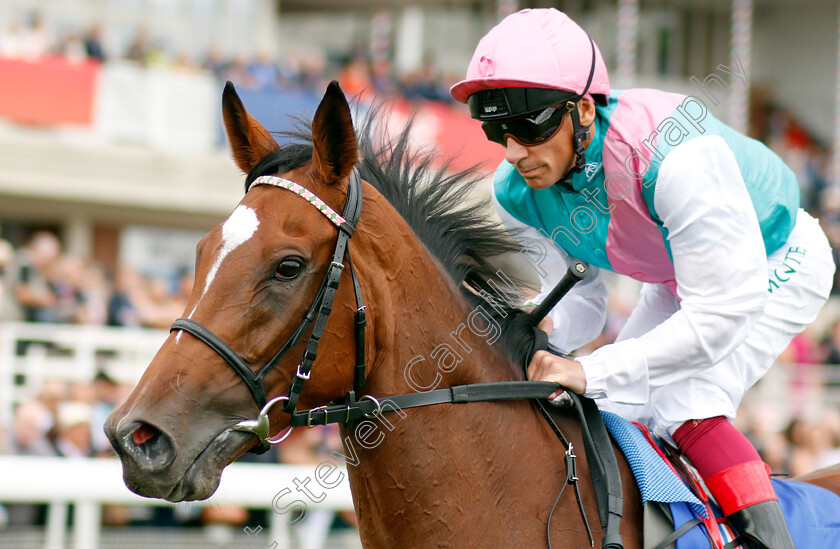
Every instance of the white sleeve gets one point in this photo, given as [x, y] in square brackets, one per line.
[720, 265]
[581, 314]
[655, 305]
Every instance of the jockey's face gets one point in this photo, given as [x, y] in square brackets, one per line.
[545, 164]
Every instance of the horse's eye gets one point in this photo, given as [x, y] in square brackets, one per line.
[288, 269]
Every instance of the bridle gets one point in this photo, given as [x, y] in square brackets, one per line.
[318, 313]
[350, 409]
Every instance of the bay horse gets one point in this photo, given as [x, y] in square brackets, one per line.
[450, 475]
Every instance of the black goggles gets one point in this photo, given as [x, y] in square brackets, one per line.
[531, 129]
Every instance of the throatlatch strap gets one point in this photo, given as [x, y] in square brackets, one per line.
[360, 320]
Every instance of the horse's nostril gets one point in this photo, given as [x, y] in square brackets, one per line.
[143, 433]
[147, 445]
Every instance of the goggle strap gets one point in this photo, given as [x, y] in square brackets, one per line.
[591, 69]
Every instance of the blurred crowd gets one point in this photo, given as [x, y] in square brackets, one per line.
[40, 283]
[359, 73]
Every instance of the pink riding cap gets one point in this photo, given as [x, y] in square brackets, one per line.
[537, 48]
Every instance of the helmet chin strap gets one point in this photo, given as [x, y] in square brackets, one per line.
[579, 133]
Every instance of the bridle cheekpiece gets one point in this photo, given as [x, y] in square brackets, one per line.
[318, 313]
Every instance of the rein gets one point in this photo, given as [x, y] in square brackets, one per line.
[369, 406]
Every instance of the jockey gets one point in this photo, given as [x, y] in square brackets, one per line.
[650, 185]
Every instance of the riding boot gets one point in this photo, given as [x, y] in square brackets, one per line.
[746, 496]
[763, 524]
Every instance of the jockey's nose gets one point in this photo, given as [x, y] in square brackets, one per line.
[150, 448]
[514, 152]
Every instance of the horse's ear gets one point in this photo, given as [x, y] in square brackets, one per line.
[249, 141]
[335, 150]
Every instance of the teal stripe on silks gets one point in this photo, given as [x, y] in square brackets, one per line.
[771, 184]
[573, 212]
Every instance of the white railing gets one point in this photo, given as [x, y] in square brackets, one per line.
[33, 352]
[87, 484]
[75, 353]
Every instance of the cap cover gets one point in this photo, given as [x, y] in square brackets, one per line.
[536, 48]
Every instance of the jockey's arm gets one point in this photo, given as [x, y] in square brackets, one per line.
[581, 314]
[720, 265]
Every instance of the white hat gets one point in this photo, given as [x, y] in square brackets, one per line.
[73, 413]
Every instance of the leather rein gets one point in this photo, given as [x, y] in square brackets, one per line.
[350, 409]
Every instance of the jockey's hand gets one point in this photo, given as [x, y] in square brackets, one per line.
[549, 367]
[546, 324]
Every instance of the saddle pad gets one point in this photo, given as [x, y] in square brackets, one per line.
[656, 480]
[812, 513]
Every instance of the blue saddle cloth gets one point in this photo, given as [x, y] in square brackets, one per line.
[812, 513]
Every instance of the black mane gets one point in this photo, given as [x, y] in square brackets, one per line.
[441, 210]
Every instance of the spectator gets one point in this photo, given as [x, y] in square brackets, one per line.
[9, 309]
[312, 69]
[382, 78]
[237, 72]
[831, 454]
[36, 262]
[11, 42]
[138, 51]
[424, 85]
[122, 306]
[94, 291]
[106, 396]
[808, 440]
[215, 63]
[265, 74]
[182, 297]
[73, 434]
[354, 78]
[66, 283]
[53, 392]
[73, 48]
[36, 40]
[158, 310]
[157, 55]
[93, 44]
[80, 391]
[30, 425]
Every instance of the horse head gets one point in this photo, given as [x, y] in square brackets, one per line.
[257, 275]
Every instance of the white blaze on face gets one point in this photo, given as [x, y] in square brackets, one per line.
[239, 227]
